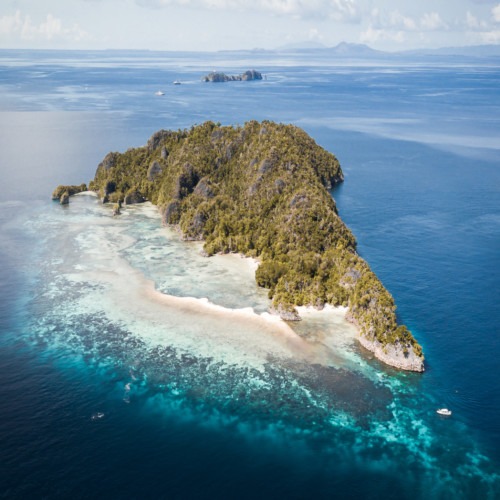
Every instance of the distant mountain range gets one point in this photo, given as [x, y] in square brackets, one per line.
[362, 51]
[342, 49]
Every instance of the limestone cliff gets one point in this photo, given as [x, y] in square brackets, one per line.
[62, 193]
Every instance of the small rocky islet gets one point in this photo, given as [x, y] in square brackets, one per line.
[262, 190]
[247, 76]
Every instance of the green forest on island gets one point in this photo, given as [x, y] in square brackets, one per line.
[263, 190]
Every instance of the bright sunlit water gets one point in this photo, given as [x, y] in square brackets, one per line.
[133, 367]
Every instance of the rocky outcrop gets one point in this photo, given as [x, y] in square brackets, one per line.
[154, 170]
[186, 181]
[156, 139]
[394, 354]
[279, 184]
[171, 213]
[216, 76]
[133, 196]
[109, 188]
[62, 193]
[251, 74]
[107, 163]
[204, 189]
[284, 313]
[195, 232]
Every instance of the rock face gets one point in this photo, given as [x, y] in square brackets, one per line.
[204, 189]
[62, 193]
[171, 213]
[285, 314]
[394, 355]
[251, 74]
[107, 163]
[109, 188]
[64, 199]
[156, 139]
[133, 196]
[154, 170]
[216, 76]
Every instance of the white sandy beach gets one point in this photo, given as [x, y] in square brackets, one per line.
[231, 335]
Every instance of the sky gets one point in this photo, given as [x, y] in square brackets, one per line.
[211, 25]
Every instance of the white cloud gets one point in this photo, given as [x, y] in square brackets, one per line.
[49, 28]
[339, 10]
[343, 10]
[404, 22]
[21, 26]
[11, 24]
[395, 21]
[490, 36]
[495, 11]
[431, 21]
[373, 35]
[473, 23]
[314, 34]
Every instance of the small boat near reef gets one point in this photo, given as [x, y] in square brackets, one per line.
[444, 411]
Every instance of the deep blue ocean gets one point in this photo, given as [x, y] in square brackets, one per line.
[105, 393]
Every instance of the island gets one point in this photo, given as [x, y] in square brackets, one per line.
[62, 193]
[264, 190]
[216, 76]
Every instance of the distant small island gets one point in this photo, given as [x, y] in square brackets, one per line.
[216, 76]
[262, 190]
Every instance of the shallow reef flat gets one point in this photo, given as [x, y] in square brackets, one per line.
[103, 248]
[303, 384]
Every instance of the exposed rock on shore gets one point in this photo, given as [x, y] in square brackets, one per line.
[287, 314]
[133, 196]
[394, 355]
[62, 193]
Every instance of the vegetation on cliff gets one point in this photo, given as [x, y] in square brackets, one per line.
[262, 190]
[62, 193]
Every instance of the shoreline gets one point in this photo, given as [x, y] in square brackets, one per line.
[132, 297]
[207, 329]
[391, 355]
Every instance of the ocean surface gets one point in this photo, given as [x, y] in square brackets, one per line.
[133, 367]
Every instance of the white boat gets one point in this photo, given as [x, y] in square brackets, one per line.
[159, 93]
[444, 411]
[177, 82]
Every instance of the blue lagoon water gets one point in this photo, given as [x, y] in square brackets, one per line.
[131, 366]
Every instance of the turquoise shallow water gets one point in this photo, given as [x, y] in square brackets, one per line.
[204, 398]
